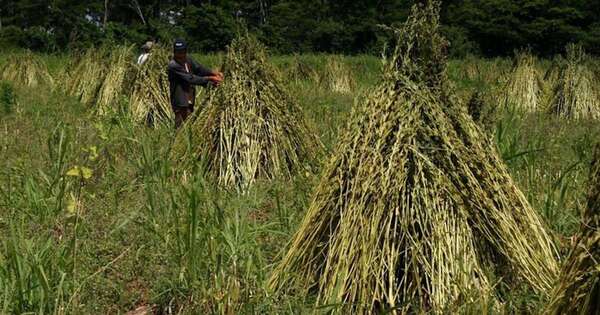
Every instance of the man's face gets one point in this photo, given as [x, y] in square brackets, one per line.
[180, 55]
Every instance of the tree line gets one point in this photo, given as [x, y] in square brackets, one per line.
[479, 27]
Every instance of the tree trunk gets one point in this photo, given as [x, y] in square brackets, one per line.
[105, 14]
[156, 9]
[138, 9]
[263, 11]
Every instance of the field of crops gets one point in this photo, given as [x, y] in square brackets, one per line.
[97, 217]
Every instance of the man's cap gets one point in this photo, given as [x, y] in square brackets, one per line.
[180, 45]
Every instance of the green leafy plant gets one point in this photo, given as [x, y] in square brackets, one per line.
[7, 97]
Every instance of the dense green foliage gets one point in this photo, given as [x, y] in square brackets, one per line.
[489, 27]
[7, 97]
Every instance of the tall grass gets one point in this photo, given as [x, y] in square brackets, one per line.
[139, 233]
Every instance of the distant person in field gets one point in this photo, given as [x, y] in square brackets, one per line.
[146, 49]
[184, 74]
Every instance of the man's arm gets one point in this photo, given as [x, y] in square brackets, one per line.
[201, 70]
[179, 72]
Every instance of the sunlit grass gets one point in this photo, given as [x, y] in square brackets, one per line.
[138, 232]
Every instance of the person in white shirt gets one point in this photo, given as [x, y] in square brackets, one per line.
[146, 48]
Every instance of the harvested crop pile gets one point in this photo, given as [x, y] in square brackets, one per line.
[478, 69]
[338, 76]
[150, 96]
[491, 71]
[250, 128]
[575, 94]
[26, 69]
[470, 68]
[415, 208]
[553, 73]
[87, 75]
[117, 81]
[525, 86]
[299, 70]
[578, 288]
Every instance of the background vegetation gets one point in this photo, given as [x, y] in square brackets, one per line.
[95, 219]
[489, 28]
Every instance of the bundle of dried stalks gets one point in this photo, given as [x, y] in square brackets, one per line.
[575, 94]
[299, 70]
[149, 101]
[338, 76]
[525, 86]
[470, 68]
[415, 208]
[26, 69]
[116, 84]
[86, 76]
[250, 128]
[553, 73]
[491, 71]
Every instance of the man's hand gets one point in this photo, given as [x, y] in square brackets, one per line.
[215, 80]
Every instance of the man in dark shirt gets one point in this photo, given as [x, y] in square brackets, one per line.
[184, 74]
